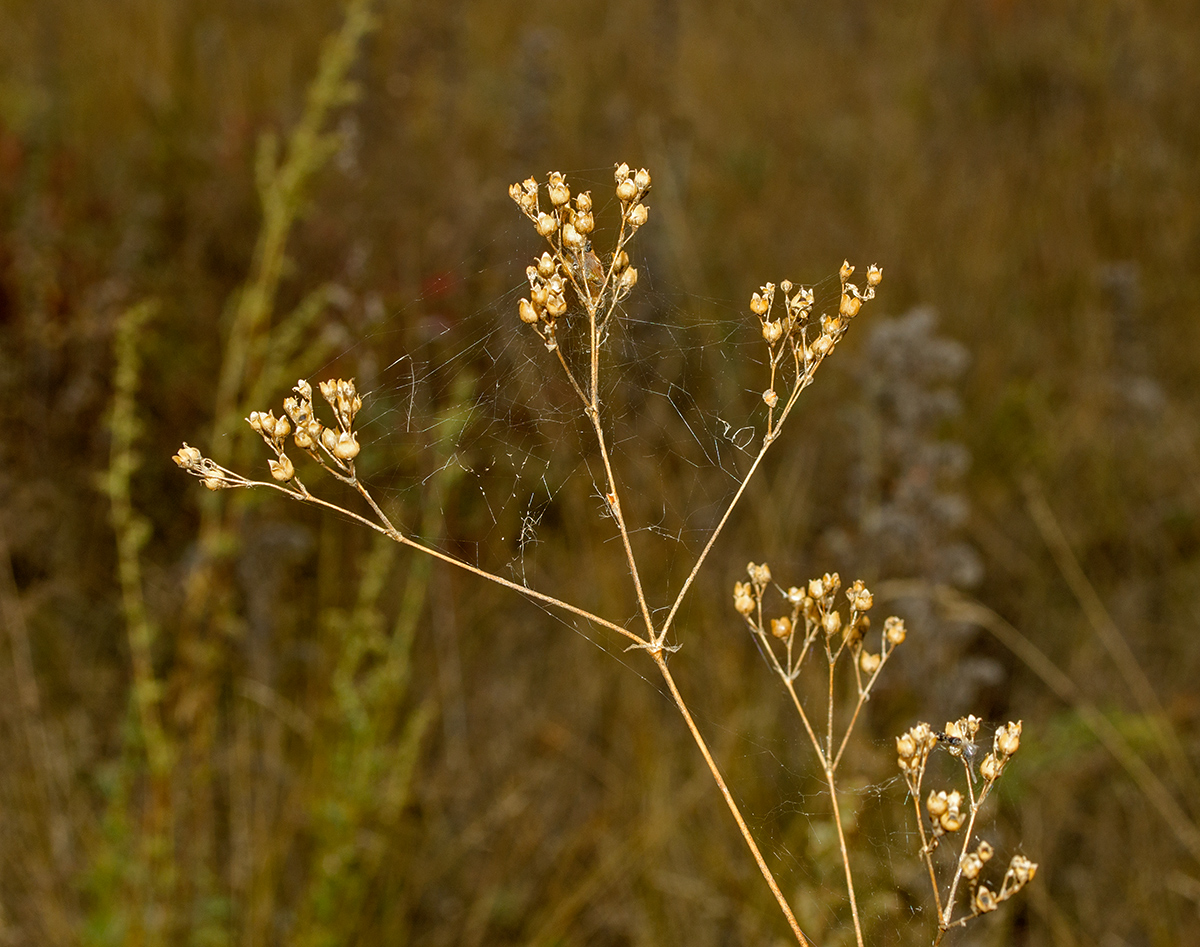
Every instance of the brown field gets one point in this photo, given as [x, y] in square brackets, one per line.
[231, 718]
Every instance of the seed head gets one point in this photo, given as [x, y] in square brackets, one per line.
[1008, 739]
[347, 446]
[546, 224]
[781, 628]
[559, 192]
[743, 600]
[282, 469]
[1022, 869]
[638, 214]
[528, 314]
[894, 631]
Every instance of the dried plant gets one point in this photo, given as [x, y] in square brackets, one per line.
[947, 815]
[571, 276]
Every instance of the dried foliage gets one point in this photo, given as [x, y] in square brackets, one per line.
[235, 718]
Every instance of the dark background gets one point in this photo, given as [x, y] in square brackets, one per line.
[1028, 171]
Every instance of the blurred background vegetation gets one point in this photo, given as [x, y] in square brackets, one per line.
[232, 720]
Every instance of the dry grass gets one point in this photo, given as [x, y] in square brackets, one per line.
[1024, 170]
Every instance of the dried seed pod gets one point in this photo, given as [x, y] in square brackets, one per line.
[282, 469]
[781, 628]
[528, 314]
[743, 601]
[869, 662]
[894, 630]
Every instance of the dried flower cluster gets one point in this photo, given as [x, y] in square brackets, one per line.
[571, 261]
[786, 333]
[813, 609]
[949, 812]
[811, 615]
[334, 447]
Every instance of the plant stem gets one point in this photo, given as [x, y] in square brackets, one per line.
[729, 800]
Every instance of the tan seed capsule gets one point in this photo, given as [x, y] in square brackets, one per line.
[849, 306]
[937, 804]
[771, 397]
[781, 627]
[546, 265]
[528, 314]
[571, 237]
[894, 630]
[845, 271]
[638, 214]
[990, 768]
[621, 172]
[743, 601]
[642, 179]
[874, 276]
[583, 201]
[626, 191]
[282, 469]
[347, 446]
[546, 224]
[985, 901]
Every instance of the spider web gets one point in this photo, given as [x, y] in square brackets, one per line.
[681, 388]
